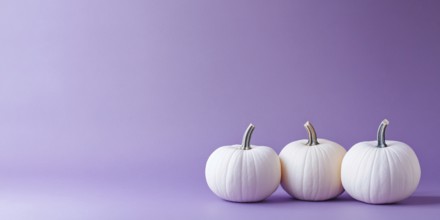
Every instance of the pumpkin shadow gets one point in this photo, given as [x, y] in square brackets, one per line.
[288, 199]
[279, 199]
[420, 200]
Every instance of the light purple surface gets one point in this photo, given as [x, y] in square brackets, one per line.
[110, 109]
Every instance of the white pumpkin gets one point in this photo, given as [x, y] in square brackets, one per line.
[243, 173]
[311, 168]
[379, 172]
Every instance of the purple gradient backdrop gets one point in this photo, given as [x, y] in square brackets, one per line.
[109, 109]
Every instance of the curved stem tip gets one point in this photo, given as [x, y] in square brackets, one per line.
[381, 133]
[246, 143]
[313, 139]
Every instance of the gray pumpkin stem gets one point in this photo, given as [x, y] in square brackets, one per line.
[381, 133]
[313, 139]
[246, 143]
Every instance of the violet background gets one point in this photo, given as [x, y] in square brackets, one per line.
[110, 109]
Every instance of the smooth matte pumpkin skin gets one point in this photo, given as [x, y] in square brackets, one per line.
[380, 175]
[312, 172]
[240, 175]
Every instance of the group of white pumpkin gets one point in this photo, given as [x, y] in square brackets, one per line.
[375, 172]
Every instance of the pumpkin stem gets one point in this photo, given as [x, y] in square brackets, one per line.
[313, 139]
[246, 144]
[381, 133]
